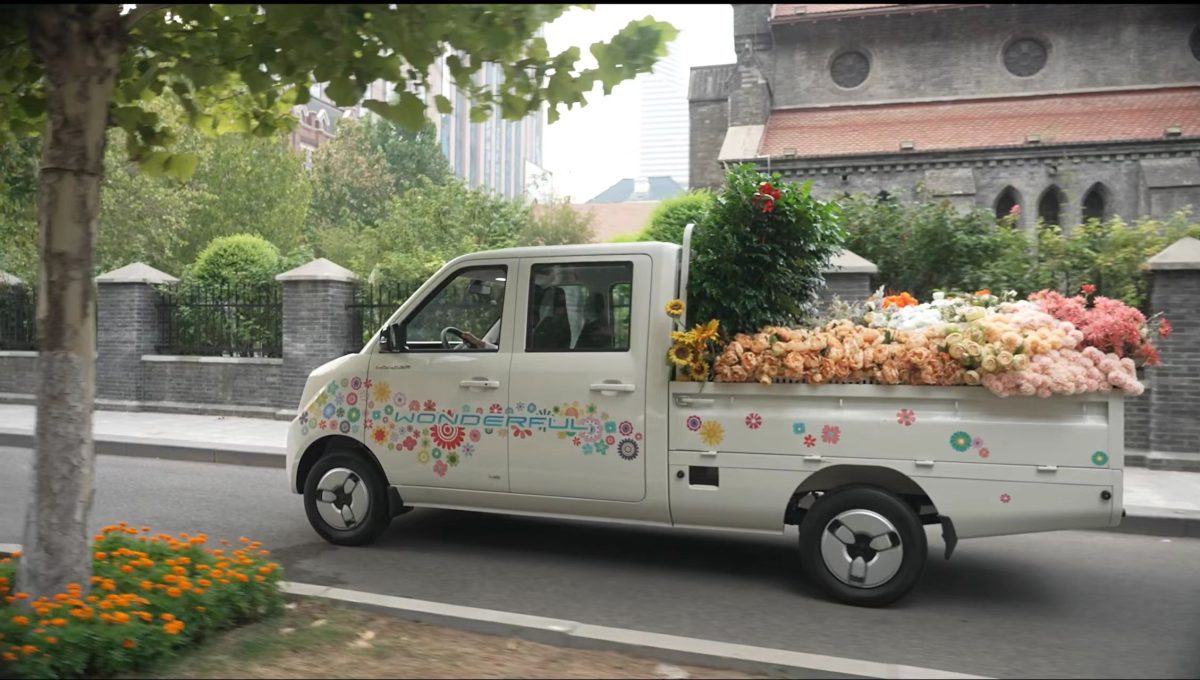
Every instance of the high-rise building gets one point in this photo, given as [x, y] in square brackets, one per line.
[663, 137]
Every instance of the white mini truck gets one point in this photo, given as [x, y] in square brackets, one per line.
[533, 381]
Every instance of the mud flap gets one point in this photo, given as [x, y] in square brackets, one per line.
[948, 534]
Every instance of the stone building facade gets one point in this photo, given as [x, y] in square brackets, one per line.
[1064, 110]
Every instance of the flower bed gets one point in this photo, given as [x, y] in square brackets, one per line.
[1046, 345]
[150, 596]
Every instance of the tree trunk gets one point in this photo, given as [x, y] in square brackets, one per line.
[80, 47]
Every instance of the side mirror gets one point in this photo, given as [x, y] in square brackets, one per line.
[393, 338]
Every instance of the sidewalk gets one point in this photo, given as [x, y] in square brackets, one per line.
[1159, 502]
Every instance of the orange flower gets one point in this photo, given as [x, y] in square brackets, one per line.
[198, 591]
[170, 578]
[58, 622]
[981, 293]
[8, 656]
[264, 570]
[204, 582]
[127, 569]
[128, 644]
[43, 611]
[173, 627]
[201, 609]
[180, 571]
[258, 579]
[101, 555]
[20, 620]
[121, 617]
[174, 592]
[165, 616]
[51, 640]
[28, 649]
[15, 554]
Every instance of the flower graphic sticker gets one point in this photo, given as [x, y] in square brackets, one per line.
[976, 442]
[906, 417]
[830, 434]
[351, 399]
[712, 433]
[960, 441]
[693, 423]
[810, 441]
[753, 421]
[627, 449]
[1100, 458]
[984, 453]
[447, 436]
[1004, 498]
[797, 428]
[626, 427]
[439, 468]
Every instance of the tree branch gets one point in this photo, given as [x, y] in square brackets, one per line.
[137, 13]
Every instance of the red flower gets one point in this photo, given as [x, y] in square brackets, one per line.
[430, 405]
[767, 189]
[810, 441]
[1164, 328]
[1087, 289]
[768, 206]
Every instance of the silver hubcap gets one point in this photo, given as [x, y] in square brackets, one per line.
[342, 499]
[862, 548]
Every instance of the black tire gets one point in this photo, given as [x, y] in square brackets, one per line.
[908, 529]
[363, 530]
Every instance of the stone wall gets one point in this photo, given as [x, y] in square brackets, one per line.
[18, 372]
[214, 380]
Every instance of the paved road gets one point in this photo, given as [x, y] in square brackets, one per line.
[1065, 604]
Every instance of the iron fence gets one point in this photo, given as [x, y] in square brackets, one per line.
[373, 304]
[18, 318]
[235, 321]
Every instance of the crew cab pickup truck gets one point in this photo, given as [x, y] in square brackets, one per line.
[534, 381]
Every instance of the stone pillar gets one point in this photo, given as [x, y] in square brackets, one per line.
[848, 277]
[317, 326]
[126, 328]
[1175, 291]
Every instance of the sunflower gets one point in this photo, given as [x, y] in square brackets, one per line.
[680, 355]
[706, 332]
[711, 432]
[698, 370]
[674, 309]
[687, 338]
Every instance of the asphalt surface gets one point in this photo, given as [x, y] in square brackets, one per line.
[1062, 604]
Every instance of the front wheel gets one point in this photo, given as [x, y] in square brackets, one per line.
[346, 500]
[863, 546]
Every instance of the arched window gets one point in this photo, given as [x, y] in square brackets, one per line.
[1050, 206]
[1008, 202]
[1095, 202]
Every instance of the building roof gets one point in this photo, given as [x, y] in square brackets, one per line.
[625, 191]
[786, 14]
[709, 83]
[1128, 115]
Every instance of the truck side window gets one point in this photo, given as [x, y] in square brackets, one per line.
[579, 307]
[470, 301]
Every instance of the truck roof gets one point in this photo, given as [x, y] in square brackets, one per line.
[652, 248]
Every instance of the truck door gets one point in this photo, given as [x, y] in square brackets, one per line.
[434, 412]
[578, 386]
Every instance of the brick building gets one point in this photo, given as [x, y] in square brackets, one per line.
[1067, 111]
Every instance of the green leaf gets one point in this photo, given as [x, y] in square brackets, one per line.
[443, 104]
[180, 166]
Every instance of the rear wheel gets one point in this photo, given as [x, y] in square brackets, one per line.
[863, 546]
[346, 500]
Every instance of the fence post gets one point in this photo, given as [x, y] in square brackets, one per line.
[316, 323]
[848, 277]
[127, 328]
[1175, 392]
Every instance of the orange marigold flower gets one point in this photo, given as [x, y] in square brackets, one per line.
[166, 616]
[145, 529]
[43, 611]
[121, 617]
[8, 656]
[21, 596]
[127, 569]
[170, 578]
[28, 649]
[173, 627]
[198, 591]
[51, 640]
[201, 609]
[243, 539]
[58, 622]
[15, 554]
[146, 585]
[105, 617]
[145, 616]
[20, 620]
[258, 579]
[983, 292]
[179, 571]
[174, 592]
[204, 582]
[128, 644]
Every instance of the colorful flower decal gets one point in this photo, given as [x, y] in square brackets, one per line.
[611, 427]
[345, 427]
[711, 432]
[452, 459]
[380, 435]
[693, 423]
[520, 406]
[976, 442]
[797, 428]
[830, 434]
[382, 392]
[430, 405]
[495, 408]
[345, 382]
[1100, 458]
[304, 431]
[423, 457]
[439, 468]
[321, 424]
[810, 441]
[587, 449]
[1004, 498]
[332, 388]
[304, 418]
[576, 441]
[376, 415]
[341, 413]
[610, 440]
[984, 453]
[468, 449]
[522, 432]
[626, 428]
[474, 435]
[330, 409]
[906, 417]
[627, 449]
[351, 399]
[414, 405]
[322, 399]
[600, 447]
[436, 453]
[388, 409]
[532, 408]
[356, 383]
[447, 436]
[960, 441]
[591, 409]
[409, 443]
[638, 436]
[595, 430]
[367, 383]
[753, 421]
[339, 399]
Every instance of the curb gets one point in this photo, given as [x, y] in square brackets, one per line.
[1159, 522]
[656, 646]
[162, 449]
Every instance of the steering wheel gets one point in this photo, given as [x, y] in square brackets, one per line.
[451, 330]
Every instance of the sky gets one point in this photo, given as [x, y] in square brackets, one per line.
[590, 148]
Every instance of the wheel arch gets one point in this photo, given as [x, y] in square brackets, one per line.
[330, 444]
[838, 476]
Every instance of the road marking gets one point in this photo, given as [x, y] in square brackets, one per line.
[674, 648]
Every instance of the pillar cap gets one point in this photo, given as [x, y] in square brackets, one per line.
[10, 280]
[319, 269]
[1183, 254]
[846, 262]
[138, 272]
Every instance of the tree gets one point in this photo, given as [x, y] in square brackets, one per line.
[557, 224]
[669, 218]
[18, 208]
[351, 188]
[71, 71]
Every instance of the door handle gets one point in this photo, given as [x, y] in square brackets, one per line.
[613, 387]
[485, 384]
[685, 400]
[1047, 468]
